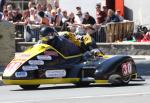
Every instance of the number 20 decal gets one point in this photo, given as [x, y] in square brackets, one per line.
[127, 68]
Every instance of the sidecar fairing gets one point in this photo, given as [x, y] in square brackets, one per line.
[43, 64]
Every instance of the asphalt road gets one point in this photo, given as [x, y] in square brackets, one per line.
[135, 92]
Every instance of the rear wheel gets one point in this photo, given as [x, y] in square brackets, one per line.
[126, 80]
[117, 79]
[29, 87]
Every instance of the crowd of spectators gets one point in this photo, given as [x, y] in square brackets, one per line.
[39, 14]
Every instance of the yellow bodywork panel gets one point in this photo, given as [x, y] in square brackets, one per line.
[28, 54]
[71, 36]
[48, 81]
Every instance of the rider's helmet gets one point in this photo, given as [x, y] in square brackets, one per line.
[47, 33]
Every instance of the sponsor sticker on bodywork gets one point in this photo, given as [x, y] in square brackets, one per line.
[44, 57]
[13, 65]
[55, 73]
[21, 57]
[36, 62]
[21, 74]
[52, 53]
[126, 68]
[30, 67]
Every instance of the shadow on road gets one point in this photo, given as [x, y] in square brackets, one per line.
[75, 87]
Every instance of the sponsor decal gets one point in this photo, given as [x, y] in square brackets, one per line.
[11, 68]
[127, 68]
[30, 67]
[21, 57]
[21, 74]
[44, 57]
[36, 62]
[13, 65]
[52, 53]
[55, 73]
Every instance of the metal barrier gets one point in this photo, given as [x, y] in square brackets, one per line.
[19, 31]
[100, 34]
[110, 32]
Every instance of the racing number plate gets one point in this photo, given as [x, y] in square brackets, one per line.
[126, 68]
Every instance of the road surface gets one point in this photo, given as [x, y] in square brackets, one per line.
[135, 92]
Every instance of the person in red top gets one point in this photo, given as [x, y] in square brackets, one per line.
[100, 15]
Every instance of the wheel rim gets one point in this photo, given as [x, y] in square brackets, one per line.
[126, 79]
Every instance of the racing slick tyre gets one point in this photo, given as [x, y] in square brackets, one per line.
[125, 80]
[116, 80]
[82, 84]
[126, 71]
[29, 87]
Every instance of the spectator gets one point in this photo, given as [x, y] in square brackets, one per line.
[56, 4]
[25, 17]
[111, 17]
[78, 23]
[48, 11]
[32, 18]
[1, 15]
[88, 19]
[78, 17]
[56, 20]
[58, 17]
[67, 24]
[44, 20]
[38, 7]
[9, 7]
[14, 16]
[59, 14]
[2, 3]
[118, 14]
[37, 10]
[30, 5]
[105, 9]
[100, 15]
[53, 16]
[17, 15]
[65, 16]
[10, 16]
[71, 18]
[78, 8]
[5, 14]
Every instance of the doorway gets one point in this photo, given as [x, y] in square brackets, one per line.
[116, 5]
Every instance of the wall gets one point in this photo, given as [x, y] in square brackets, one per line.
[138, 11]
[7, 42]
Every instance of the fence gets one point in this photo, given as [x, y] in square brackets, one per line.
[110, 32]
[113, 32]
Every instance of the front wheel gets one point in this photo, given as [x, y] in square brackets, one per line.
[82, 84]
[29, 87]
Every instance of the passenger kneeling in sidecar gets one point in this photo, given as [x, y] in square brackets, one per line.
[63, 45]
